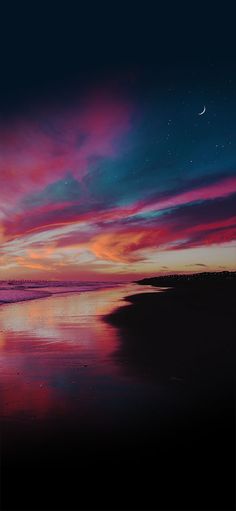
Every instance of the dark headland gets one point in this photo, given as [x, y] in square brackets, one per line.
[202, 278]
[183, 339]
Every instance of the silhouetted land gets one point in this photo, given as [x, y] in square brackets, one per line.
[204, 278]
[183, 339]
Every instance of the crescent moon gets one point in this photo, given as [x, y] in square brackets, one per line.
[204, 109]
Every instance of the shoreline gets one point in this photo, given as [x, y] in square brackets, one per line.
[27, 294]
[184, 332]
[24, 298]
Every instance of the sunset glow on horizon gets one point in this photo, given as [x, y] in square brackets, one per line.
[112, 189]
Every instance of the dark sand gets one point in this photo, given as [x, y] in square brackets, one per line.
[182, 454]
[185, 337]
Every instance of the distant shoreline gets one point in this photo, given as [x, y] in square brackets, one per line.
[12, 291]
[179, 279]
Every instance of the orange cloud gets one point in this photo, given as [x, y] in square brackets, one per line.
[122, 247]
[2, 234]
[26, 263]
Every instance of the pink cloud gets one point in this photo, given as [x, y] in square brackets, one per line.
[222, 188]
[37, 152]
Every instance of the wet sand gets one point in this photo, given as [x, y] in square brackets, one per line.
[119, 406]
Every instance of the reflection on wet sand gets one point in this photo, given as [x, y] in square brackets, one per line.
[56, 348]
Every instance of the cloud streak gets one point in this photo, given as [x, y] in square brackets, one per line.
[80, 192]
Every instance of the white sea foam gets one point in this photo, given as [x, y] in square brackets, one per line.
[15, 291]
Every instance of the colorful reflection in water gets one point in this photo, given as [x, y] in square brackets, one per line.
[56, 353]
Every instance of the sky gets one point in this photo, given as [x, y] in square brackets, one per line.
[115, 175]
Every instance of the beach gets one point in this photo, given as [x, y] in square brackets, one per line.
[119, 398]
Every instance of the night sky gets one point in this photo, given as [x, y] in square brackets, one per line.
[108, 172]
